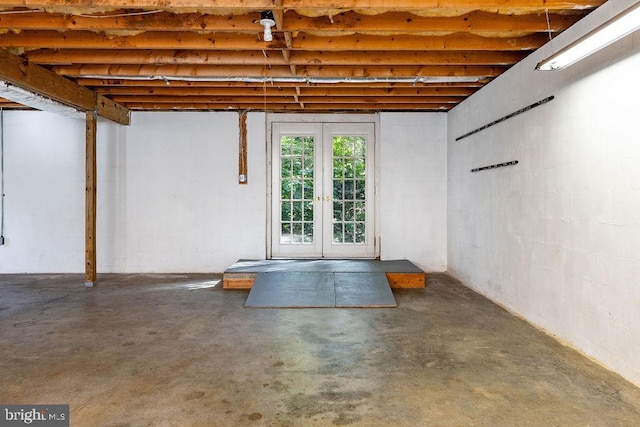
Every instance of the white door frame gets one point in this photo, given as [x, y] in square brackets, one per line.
[321, 118]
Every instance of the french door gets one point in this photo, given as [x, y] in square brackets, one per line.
[322, 198]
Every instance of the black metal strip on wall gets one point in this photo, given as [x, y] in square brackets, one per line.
[499, 165]
[507, 117]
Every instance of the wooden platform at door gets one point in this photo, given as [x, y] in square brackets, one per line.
[401, 274]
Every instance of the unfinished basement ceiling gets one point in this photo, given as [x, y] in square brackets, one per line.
[325, 56]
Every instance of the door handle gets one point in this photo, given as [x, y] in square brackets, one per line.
[328, 199]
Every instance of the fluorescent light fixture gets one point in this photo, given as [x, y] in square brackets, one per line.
[34, 100]
[623, 24]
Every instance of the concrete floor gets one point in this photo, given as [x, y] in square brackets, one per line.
[151, 350]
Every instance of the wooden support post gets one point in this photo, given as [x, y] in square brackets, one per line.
[91, 199]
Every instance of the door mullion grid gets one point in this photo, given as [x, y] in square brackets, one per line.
[309, 191]
[297, 189]
[348, 180]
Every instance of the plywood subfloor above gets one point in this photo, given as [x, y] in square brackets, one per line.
[399, 273]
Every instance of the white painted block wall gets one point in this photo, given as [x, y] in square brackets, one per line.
[178, 204]
[169, 199]
[413, 188]
[168, 193]
[557, 237]
[44, 193]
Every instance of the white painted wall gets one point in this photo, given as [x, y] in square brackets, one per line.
[557, 237]
[168, 193]
[44, 193]
[413, 188]
[168, 197]
[177, 187]
[411, 175]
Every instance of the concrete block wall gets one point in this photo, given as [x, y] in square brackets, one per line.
[168, 193]
[413, 188]
[44, 193]
[169, 198]
[172, 184]
[557, 237]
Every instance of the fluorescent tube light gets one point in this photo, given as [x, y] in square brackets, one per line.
[623, 24]
[39, 102]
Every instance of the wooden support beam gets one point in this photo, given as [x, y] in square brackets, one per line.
[12, 105]
[203, 71]
[84, 6]
[21, 73]
[198, 91]
[304, 41]
[229, 100]
[145, 40]
[278, 16]
[286, 91]
[103, 84]
[293, 107]
[90, 276]
[477, 22]
[301, 58]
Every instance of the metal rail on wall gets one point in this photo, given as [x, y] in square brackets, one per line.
[498, 165]
[507, 117]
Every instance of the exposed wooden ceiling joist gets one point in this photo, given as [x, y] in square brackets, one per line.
[474, 22]
[326, 55]
[269, 91]
[226, 100]
[98, 83]
[332, 5]
[172, 57]
[293, 107]
[29, 40]
[6, 104]
[203, 71]
[43, 82]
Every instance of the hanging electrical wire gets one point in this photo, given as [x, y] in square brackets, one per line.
[16, 12]
[121, 15]
[546, 12]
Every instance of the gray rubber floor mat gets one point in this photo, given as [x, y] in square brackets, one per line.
[320, 289]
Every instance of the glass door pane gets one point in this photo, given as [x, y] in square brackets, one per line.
[296, 210]
[349, 195]
[322, 190]
[348, 219]
[297, 193]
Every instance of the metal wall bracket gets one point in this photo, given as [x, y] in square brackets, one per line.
[507, 117]
[498, 165]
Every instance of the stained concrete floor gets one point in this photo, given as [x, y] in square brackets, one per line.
[177, 350]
